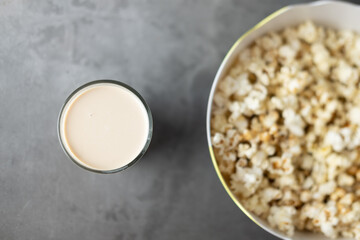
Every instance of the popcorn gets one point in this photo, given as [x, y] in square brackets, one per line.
[270, 119]
[255, 98]
[287, 53]
[236, 109]
[229, 156]
[344, 73]
[356, 230]
[348, 199]
[270, 42]
[268, 149]
[307, 162]
[321, 57]
[244, 85]
[305, 196]
[281, 166]
[308, 183]
[241, 123]
[334, 140]
[307, 32]
[257, 205]
[354, 115]
[354, 53]
[220, 101]
[246, 149]
[255, 125]
[282, 218]
[227, 167]
[277, 103]
[355, 141]
[246, 181]
[289, 198]
[337, 194]
[327, 220]
[220, 124]
[218, 140]
[286, 181]
[229, 86]
[269, 194]
[324, 189]
[345, 180]
[285, 129]
[293, 122]
[259, 159]
[242, 162]
[232, 139]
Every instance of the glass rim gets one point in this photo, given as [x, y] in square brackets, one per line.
[132, 90]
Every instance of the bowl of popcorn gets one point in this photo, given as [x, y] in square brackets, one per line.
[283, 122]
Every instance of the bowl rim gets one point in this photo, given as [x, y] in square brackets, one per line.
[213, 89]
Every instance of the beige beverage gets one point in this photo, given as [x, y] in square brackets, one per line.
[104, 126]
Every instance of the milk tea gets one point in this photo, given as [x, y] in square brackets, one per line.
[104, 126]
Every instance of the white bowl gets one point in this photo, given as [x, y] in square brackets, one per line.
[334, 14]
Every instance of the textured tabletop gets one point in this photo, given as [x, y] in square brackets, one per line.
[169, 51]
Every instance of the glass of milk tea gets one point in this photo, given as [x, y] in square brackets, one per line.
[105, 126]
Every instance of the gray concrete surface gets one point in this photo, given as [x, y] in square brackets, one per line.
[169, 51]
